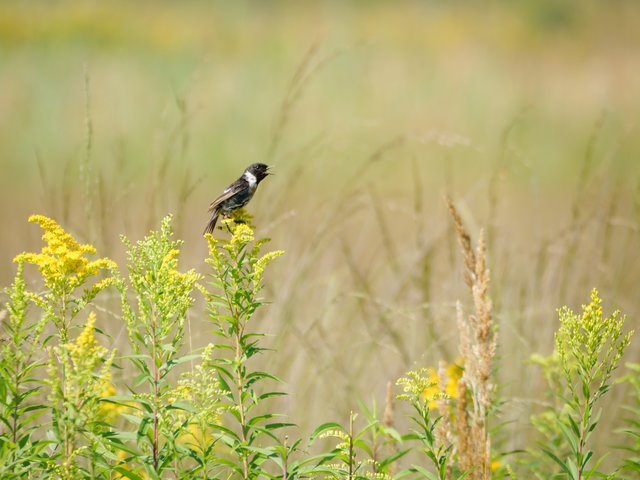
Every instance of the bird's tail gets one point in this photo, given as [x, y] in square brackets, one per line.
[212, 223]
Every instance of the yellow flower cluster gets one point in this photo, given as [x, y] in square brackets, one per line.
[85, 356]
[261, 264]
[430, 394]
[344, 436]
[86, 348]
[335, 434]
[416, 383]
[424, 384]
[201, 388]
[62, 262]
[242, 234]
[86, 366]
[171, 254]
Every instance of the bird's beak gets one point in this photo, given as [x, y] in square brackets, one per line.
[269, 172]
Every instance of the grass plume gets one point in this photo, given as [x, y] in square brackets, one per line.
[478, 349]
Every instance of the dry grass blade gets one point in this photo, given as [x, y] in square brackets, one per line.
[465, 243]
[300, 79]
[371, 309]
[85, 163]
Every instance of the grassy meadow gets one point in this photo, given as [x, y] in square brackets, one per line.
[116, 114]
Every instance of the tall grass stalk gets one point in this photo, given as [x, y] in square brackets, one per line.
[477, 348]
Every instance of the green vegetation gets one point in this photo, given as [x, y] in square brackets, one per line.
[217, 419]
[588, 350]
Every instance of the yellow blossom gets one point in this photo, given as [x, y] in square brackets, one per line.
[79, 373]
[261, 264]
[62, 262]
[242, 234]
[334, 433]
[171, 254]
[425, 385]
[82, 358]
[420, 384]
[86, 347]
[430, 394]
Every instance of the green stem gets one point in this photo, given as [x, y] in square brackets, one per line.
[351, 455]
[156, 381]
[239, 378]
[240, 388]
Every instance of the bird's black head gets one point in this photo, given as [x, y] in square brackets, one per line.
[258, 170]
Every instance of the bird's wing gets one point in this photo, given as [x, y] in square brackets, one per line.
[229, 192]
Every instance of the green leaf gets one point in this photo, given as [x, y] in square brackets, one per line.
[183, 406]
[403, 473]
[573, 469]
[266, 395]
[585, 460]
[135, 419]
[425, 473]
[593, 471]
[127, 473]
[362, 445]
[260, 418]
[261, 375]
[323, 428]
[275, 426]
[569, 435]
[393, 458]
[564, 467]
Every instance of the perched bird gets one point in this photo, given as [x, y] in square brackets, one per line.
[238, 194]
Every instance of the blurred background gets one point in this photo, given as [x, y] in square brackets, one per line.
[114, 114]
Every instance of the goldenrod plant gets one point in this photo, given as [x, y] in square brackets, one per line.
[77, 370]
[631, 467]
[155, 316]
[588, 349]
[74, 399]
[237, 269]
[201, 391]
[66, 271]
[20, 384]
[421, 389]
[370, 451]
[546, 422]
[381, 443]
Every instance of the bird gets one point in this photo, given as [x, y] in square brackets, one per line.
[238, 194]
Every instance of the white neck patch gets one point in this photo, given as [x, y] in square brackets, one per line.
[251, 178]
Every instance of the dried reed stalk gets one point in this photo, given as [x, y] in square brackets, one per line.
[478, 348]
